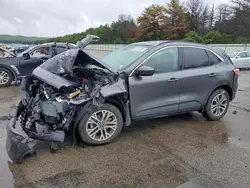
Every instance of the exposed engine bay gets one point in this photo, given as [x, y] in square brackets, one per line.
[47, 110]
[58, 95]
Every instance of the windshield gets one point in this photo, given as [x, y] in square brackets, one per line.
[125, 56]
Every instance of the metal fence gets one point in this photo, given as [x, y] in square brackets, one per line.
[229, 48]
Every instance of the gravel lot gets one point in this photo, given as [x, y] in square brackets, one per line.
[179, 151]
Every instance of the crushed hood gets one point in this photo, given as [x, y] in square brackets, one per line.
[63, 63]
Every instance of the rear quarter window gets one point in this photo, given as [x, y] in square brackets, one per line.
[227, 57]
[213, 59]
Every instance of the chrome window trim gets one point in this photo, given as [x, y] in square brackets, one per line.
[221, 59]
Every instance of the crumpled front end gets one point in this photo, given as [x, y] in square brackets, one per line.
[55, 98]
[18, 144]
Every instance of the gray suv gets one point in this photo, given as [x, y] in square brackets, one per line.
[95, 98]
[176, 77]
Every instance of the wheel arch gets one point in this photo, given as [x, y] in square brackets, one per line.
[11, 71]
[224, 86]
[120, 101]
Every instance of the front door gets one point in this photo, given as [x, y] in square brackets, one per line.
[37, 57]
[156, 95]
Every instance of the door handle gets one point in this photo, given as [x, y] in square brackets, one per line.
[212, 75]
[172, 80]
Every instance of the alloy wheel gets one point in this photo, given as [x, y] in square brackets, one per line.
[219, 104]
[101, 125]
[4, 77]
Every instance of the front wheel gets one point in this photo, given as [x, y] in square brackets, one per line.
[5, 77]
[217, 105]
[101, 126]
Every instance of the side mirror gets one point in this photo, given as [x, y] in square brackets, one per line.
[237, 57]
[145, 71]
[26, 56]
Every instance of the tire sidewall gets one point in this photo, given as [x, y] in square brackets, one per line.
[83, 123]
[208, 111]
[10, 77]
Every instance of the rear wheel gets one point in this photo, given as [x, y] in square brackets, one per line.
[101, 126]
[217, 105]
[6, 77]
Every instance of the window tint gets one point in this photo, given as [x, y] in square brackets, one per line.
[164, 61]
[242, 54]
[40, 52]
[248, 54]
[194, 58]
[60, 49]
[213, 59]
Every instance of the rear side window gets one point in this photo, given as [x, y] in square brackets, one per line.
[194, 58]
[248, 54]
[213, 59]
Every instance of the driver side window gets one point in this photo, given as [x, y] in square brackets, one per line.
[164, 61]
[40, 52]
[242, 54]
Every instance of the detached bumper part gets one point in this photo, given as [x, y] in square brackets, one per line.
[18, 144]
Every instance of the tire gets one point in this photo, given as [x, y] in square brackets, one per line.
[6, 77]
[219, 109]
[87, 128]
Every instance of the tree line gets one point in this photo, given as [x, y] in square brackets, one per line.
[191, 21]
[8, 39]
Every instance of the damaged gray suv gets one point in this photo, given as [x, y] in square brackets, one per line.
[95, 98]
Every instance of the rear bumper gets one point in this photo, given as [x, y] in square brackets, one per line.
[18, 144]
[235, 87]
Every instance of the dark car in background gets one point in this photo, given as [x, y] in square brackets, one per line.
[14, 67]
[19, 49]
[95, 98]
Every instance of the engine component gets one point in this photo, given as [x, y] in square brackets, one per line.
[74, 94]
[52, 110]
[43, 133]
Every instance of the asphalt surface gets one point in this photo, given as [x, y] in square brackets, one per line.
[180, 151]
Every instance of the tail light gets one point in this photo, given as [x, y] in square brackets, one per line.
[236, 72]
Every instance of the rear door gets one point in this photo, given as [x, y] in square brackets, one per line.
[157, 95]
[247, 61]
[200, 76]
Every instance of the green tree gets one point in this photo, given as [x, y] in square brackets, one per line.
[242, 40]
[193, 37]
[152, 22]
[213, 37]
[124, 28]
[176, 26]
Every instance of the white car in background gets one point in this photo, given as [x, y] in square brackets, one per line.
[240, 59]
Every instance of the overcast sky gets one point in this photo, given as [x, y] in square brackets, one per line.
[48, 18]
